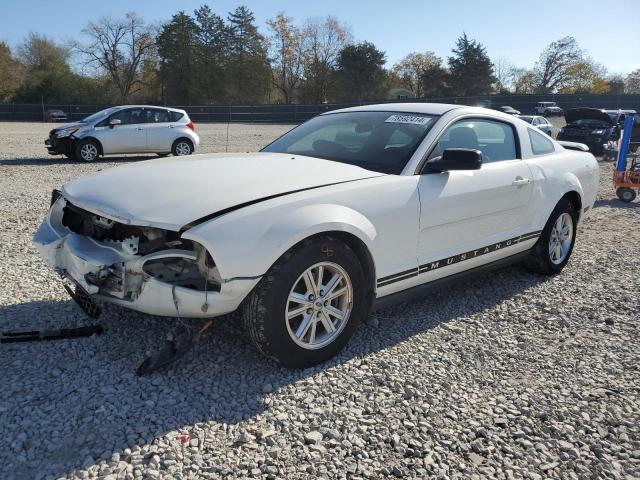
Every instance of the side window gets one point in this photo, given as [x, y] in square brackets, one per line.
[496, 140]
[155, 115]
[123, 116]
[540, 145]
[137, 116]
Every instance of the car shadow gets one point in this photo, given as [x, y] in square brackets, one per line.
[59, 160]
[89, 404]
[615, 203]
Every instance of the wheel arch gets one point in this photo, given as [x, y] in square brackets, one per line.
[93, 139]
[277, 234]
[575, 199]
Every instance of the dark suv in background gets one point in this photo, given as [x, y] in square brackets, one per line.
[591, 126]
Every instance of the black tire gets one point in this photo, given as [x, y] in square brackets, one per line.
[265, 309]
[627, 195]
[181, 146]
[87, 150]
[539, 260]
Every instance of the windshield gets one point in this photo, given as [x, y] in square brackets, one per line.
[379, 141]
[526, 119]
[100, 114]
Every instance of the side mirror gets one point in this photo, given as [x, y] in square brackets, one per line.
[455, 159]
[114, 121]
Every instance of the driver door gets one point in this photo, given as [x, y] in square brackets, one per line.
[464, 212]
[129, 136]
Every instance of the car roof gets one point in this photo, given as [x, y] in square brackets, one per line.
[425, 108]
[122, 107]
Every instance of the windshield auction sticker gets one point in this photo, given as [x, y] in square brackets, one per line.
[412, 119]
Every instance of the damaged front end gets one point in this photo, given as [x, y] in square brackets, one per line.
[144, 268]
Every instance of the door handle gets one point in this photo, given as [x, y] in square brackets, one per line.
[519, 181]
[172, 126]
[139, 128]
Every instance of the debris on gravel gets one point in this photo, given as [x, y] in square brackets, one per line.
[508, 375]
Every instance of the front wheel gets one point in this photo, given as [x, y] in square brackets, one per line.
[87, 150]
[555, 245]
[626, 194]
[305, 309]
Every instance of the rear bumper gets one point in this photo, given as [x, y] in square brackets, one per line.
[112, 276]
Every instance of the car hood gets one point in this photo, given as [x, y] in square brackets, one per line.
[172, 192]
[587, 114]
[69, 125]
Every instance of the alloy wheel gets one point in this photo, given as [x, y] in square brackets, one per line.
[561, 238]
[183, 148]
[319, 305]
[89, 152]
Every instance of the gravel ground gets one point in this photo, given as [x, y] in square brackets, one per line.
[508, 375]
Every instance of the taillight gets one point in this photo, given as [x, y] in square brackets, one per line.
[191, 125]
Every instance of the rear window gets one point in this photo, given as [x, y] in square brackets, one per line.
[540, 145]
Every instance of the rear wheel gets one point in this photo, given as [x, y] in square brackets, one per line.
[87, 150]
[626, 194]
[182, 147]
[305, 309]
[554, 247]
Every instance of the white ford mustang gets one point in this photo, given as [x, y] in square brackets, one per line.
[350, 211]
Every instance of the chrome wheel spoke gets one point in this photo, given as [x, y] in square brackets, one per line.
[298, 311]
[336, 293]
[304, 325]
[326, 322]
[298, 298]
[335, 312]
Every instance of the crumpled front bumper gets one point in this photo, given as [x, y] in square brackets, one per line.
[83, 260]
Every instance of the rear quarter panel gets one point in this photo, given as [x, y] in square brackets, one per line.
[556, 174]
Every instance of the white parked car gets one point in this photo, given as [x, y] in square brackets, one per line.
[548, 109]
[540, 123]
[350, 211]
[125, 129]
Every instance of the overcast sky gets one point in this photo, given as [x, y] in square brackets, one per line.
[515, 29]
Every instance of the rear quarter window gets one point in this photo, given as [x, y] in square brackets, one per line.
[175, 116]
[540, 145]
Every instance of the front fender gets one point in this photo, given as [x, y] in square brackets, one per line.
[239, 255]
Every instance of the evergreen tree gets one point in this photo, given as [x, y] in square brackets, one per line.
[360, 73]
[210, 55]
[248, 66]
[177, 44]
[471, 71]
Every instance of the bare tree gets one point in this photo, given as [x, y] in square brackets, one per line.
[504, 71]
[552, 69]
[286, 48]
[632, 82]
[119, 48]
[412, 68]
[322, 40]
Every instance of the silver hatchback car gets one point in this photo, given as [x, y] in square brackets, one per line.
[125, 129]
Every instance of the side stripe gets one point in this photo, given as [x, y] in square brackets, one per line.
[461, 257]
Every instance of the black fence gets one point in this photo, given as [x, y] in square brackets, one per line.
[298, 113]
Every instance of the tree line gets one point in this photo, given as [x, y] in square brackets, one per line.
[204, 58]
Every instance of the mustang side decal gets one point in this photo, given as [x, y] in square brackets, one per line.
[461, 257]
